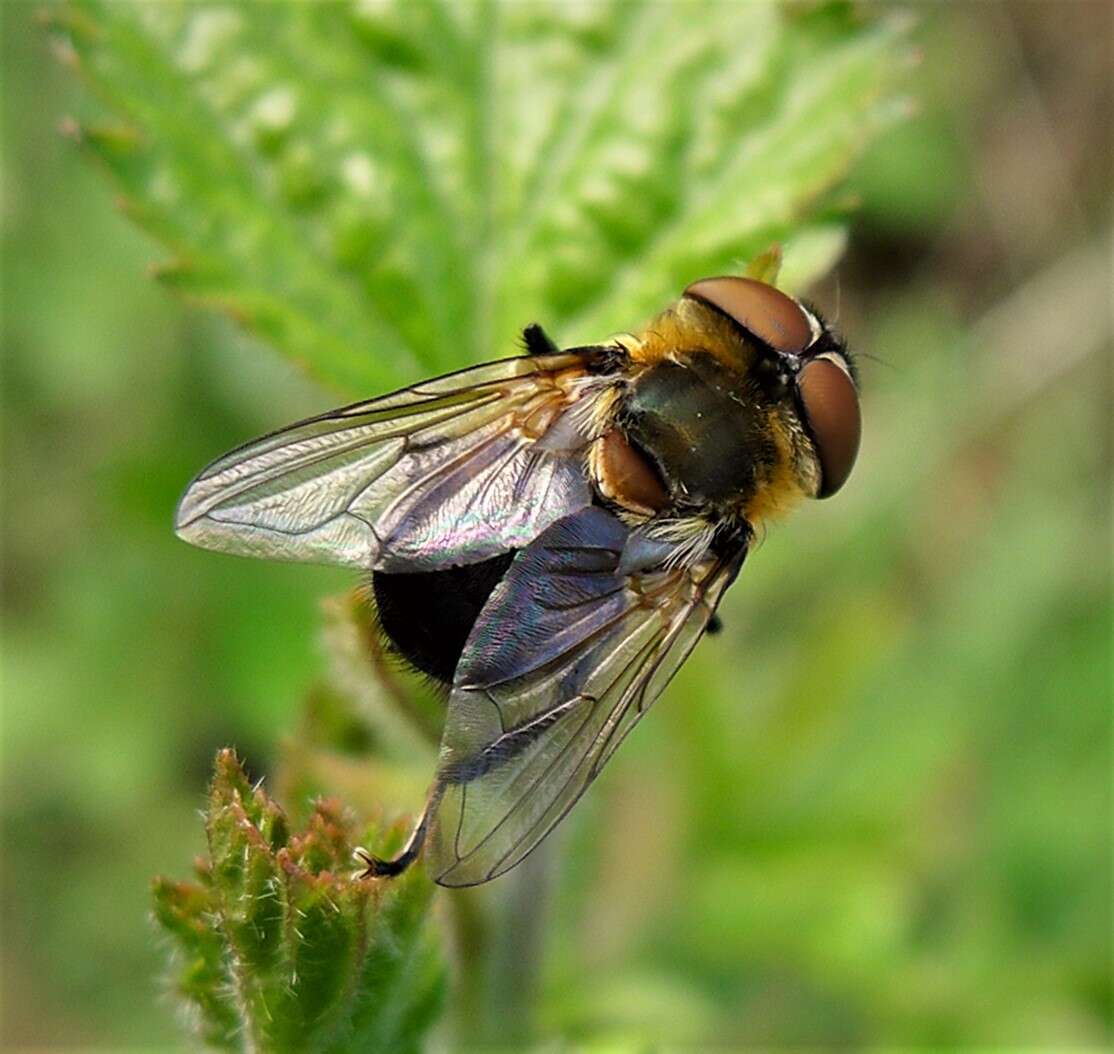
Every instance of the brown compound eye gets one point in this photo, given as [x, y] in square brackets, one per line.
[831, 405]
[773, 317]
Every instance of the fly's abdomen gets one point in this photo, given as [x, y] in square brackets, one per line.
[427, 616]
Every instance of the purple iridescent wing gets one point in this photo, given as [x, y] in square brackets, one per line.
[565, 658]
[451, 471]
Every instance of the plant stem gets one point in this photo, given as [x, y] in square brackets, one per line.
[469, 944]
[520, 946]
[496, 945]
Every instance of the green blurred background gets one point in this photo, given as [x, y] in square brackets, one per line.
[875, 809]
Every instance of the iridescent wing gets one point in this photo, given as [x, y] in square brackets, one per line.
[450, 471]
[568, 654]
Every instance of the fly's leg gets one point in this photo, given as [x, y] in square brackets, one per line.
[377, 867]
[537, 341]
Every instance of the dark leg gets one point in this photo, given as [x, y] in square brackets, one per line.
[380, 868]
[537, 341]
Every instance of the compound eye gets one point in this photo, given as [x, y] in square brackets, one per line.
[773, 317]
[831, 405]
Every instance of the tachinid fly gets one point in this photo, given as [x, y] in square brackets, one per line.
[550, 535]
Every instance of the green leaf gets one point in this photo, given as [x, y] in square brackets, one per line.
[281, 947]
[181, 908]
[391, 188]
[765, 266]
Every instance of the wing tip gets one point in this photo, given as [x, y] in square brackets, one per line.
[188, 517]
[194, 525]
[469, 877]
[466, 880]
[188, 531]
[444, 864]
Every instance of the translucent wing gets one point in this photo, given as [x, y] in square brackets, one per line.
[446, 472]
[567, 655]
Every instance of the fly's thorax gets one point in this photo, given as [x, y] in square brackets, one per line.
[700, 426]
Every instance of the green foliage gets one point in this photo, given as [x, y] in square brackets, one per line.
[875, 811]
[378, 189]
[382, 187]
[282, 947]
[382, 190]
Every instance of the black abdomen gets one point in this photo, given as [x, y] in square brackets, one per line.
[428, 615]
